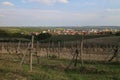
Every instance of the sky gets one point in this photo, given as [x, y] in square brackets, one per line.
[59, 12]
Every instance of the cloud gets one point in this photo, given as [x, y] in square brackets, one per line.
[116, 2]
[48, 2]
[1, 15]
[37, 17]
[44, 17]
[87, 3]
[63, 1]
[6, 3]
[113, 10]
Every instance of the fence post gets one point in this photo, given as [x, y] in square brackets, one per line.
[31, 52]
[59, 49]
[81, 53]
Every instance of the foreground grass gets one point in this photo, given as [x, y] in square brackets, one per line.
[55, 69]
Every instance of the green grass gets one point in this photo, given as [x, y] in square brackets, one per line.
[55, 69]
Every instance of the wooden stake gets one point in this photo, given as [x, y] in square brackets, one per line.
[37, 48]
[81, 53]
[24, 55]
[58, 49]
[31, 53]
[48, 50]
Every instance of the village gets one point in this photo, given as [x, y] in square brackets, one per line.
[74, 31]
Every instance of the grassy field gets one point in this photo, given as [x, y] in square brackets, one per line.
[55, 69]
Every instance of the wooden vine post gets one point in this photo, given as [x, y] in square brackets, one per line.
[18, 50]
[76, 54]
[59, 49]
[32, 43]
[81, 53]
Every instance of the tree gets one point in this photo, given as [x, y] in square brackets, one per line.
[3, 33]
[117, 33]
[43, 36]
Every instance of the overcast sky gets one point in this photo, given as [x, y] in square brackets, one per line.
[59, 12]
